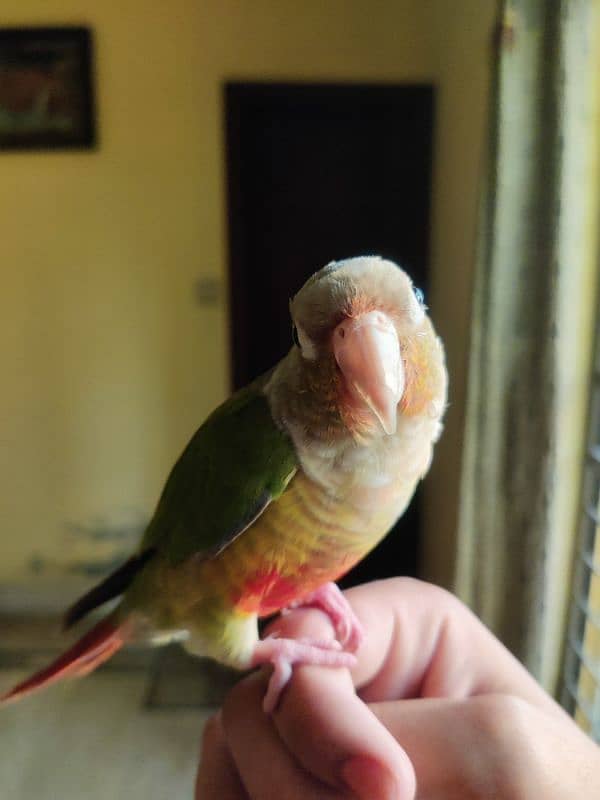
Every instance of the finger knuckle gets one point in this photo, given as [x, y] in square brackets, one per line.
[499, 717]
[500, 726]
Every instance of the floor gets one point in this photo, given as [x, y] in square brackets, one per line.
[96, 739]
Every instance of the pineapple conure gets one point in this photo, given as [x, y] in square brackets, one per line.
[284, 488]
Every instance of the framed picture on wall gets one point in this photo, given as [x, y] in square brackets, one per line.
[46, 88]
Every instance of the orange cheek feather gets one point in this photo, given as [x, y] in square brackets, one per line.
[419, 390]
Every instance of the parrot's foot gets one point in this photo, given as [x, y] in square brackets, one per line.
[329, 598]
[284, 653]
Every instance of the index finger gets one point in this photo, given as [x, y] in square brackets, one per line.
[330, 731]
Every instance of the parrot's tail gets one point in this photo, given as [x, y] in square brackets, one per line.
[95, 647]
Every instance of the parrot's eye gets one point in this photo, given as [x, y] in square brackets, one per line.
[295, 336]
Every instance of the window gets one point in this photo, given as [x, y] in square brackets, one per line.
[581, 694]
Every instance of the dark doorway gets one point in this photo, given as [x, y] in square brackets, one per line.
[316, 173]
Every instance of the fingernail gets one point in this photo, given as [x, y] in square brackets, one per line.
[370, 780]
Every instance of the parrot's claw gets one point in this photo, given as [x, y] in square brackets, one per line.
[283, 654]
[330, 599]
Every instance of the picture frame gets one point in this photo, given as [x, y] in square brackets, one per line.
[46, 89]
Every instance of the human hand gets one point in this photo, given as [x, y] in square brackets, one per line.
[435, 709]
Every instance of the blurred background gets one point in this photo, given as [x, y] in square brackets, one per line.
[120, 262]
[238, 146]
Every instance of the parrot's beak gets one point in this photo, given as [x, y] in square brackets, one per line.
[367, 351]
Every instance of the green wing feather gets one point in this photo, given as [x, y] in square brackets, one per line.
[234, 466]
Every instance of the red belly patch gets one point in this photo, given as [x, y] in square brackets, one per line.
[267, 592]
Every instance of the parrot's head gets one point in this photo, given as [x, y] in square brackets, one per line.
[365, 345]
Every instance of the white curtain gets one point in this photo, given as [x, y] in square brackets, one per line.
[531, 330]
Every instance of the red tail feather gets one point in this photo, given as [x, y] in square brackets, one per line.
[95, 647]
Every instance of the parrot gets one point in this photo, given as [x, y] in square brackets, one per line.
[283, 488]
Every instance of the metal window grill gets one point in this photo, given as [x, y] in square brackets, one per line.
[581, 687]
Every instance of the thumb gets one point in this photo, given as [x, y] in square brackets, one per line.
[461, 748]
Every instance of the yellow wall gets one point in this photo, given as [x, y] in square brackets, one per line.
[462, 36]
[108, 363]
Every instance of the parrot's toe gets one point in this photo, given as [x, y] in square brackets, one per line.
[283, 654]
[330, 599]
